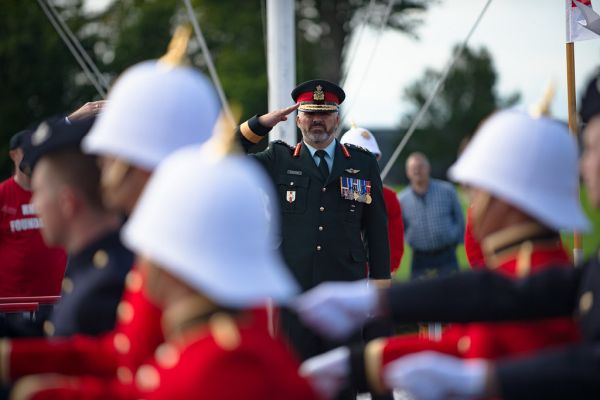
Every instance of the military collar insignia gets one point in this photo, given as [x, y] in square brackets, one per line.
[297, 150]
[318, 94]
[41, 134]
[352, 171]
[345, 151]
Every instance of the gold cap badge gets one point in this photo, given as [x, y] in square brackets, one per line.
[318, 94]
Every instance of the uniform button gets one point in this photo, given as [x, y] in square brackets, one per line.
[318, 248]
[324, 189]
[121, 343]
[67, 285]
[49, 328]
[320, 228]
[100, 259]
[586, 302]
[464, 344]
[133, 281]
[125, 312]
[321, 208]
[147, 378]
[167, 356]
[291, 183]
[124, 375]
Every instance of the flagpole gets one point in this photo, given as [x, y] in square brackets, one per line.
[571, 101]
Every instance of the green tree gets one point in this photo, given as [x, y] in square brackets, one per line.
[325, 27]
[39, 76]
[468, 96]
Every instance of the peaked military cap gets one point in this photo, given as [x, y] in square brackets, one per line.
[318, 95]
[19, 139]
[51, 136]
[590, 102]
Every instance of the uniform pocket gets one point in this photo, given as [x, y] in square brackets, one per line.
[293, 193]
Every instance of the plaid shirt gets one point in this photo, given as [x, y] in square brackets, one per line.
[434, 220]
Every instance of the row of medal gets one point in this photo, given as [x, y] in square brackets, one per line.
[356, 189]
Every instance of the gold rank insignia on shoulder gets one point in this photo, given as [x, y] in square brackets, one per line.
[356, 189]
[318, 94]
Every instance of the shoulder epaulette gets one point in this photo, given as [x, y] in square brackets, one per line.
[281, 142]
[355, 147]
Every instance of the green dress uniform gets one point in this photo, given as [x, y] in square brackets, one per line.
[325, 236]
[334, 226]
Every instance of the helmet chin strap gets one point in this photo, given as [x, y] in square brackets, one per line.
[115, 173]
[482, 203]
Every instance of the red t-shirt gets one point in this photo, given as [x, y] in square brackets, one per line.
[27, 266]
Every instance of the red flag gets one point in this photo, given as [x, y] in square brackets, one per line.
[583, 23]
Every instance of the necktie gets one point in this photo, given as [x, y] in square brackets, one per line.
[323, 164]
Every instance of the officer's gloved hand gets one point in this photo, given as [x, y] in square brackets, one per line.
[328, 372]
[431, 376]
[336, 309]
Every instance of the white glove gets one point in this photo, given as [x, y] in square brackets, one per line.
[431, 376]
[328, 372]
[336, 309]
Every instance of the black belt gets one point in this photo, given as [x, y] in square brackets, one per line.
[435, 252]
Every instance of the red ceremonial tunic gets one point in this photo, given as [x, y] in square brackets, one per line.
[113, 356]
[28, 266]
[522, 251]
[395, 227]
[217, 356]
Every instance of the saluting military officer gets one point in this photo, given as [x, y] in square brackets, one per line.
[334, 220]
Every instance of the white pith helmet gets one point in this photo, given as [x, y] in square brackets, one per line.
[530, 162]
[211, 224]
[363, 138]
[153, 109]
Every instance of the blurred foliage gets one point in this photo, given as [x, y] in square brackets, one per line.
[468, 96]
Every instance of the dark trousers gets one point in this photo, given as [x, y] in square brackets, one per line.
[434, 263]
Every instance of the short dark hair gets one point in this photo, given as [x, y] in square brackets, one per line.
[80, 171]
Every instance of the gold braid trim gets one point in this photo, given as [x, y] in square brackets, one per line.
[249, 134]
[373, 360]
[317, 107]
[5, 361]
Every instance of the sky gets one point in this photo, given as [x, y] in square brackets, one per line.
[526, 39]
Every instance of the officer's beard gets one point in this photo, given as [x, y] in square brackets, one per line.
[318, 136]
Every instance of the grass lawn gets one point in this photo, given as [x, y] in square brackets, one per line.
[591, 240]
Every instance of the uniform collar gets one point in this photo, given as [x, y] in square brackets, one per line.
[330, 150]
[95, 253]
[507, 242]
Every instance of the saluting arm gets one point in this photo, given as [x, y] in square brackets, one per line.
[256, 128]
